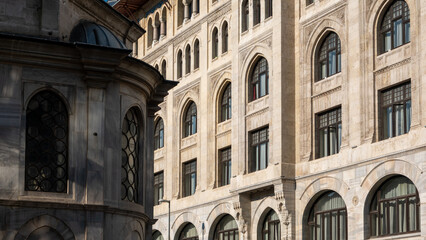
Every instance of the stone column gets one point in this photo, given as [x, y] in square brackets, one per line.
[162, 28]
[186, 13]
[156, 28]
[195, 7]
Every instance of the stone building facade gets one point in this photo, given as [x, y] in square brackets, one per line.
[329, 92]
[76, 119]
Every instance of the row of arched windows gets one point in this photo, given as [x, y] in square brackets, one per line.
[46, 147]
[215, 40]
[179, 59]
[245, 10]
[157, 27]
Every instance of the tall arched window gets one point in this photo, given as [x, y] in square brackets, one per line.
[244, 16]
[395, 208]
[395, 26]
[157, 25]
[225, 37]
[130, 156]
[188, 59]
[259, 80]
[190, 120]
[215, 43]
[189, 232]
[256, 12]
[156, 67]
[150, 32]
[329, 56]
[268, 8]
[271, 229]
[227, 228]
[164, 69]
[328, 218]
[159, 134]
[179, 64]
[226, 108]
[163, 22]
[46, 144]
[196, 54]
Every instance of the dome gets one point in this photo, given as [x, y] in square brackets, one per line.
[92, 33]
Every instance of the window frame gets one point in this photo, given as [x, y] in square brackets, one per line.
[225, 37]
[225, 166]
[255, 79]
[158, 186]
[267, 220]
[382, 108]
[255, 159]
[382, 31]
[215, 43]
[196, 54]
[376, 198]
[325, 47]
[328, 126]
[225, 112]
[187, 177]
[188, 59]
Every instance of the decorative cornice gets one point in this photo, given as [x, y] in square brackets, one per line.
[338, 88]
[392, 66]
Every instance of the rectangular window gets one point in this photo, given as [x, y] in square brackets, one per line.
[158, 187]
[395, 110]
[329, 132]
[225, 166]
[189, 178]
[259, 149]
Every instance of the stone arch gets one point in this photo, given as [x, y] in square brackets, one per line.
[248, 63]
[216, 214]
[133, 226]
[321, 184]
[180, 222]
[161, 227]
[45, 221]
[140, 113]
[260, 212]
[61, 95]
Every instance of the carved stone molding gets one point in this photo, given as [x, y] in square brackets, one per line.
[336, 89]
[393, 66]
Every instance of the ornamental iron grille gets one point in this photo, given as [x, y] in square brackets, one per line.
[190, 125]
[46, 151]
[227, 229]
[329, 59]
[395, 28]
[189, 232]
[159, 134]
[130, 156]
[329, 132]
[328, 218]
[226, 105]
[396, 110]
[395, 208]
[271, 229]
[259, 85]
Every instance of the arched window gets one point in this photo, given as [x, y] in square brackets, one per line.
[46, 144]
[130, 156]
[157, 236]
[188, 59]
[271, 229]
[190, 118]
[244, 16]
[329, 56]
[189, 232]
[225, 37]
[395, 26]
[150, 32]
[395, 208]
[226, 110]
[157, 26]
[179, 64]
[259, 80]
[328, 218]
[256, 12]
[180, 12]
[156, 67]
[164, 69]
[215, 43]
[163, 23]
[196, 54]
[159, 134]
[227, 228]
[268, 8]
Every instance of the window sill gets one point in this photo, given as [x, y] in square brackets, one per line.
[329, 77]
[224, 53]
[268, 18]
[415, 235]
[393, 49]
[214, 59]
[245, 32]
[326, 157]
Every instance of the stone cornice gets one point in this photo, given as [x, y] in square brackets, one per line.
[326, 11]
[328, 92]
[392, 66]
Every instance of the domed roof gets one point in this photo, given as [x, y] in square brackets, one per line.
[92, 33]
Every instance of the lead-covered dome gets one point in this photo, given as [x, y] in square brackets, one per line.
[92, 33]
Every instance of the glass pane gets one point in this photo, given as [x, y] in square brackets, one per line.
[392, 217]
[326, 226]
[334, 225]
[339, 62]
[332, 63]
[388, 41]
[161, 138]
[397, 33]
[194, 124]
[193, 183]
[402, 213]
[412, 213]
[343, 224]
[339, 136]
[408, 115]
[333, 140]
[399, 120]
[374, 225]
[257, 160]
[383, 218]
[323, 72]
[323, 142]
[263, 149]
[407, 32]
[262, 79]
[387, 119]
